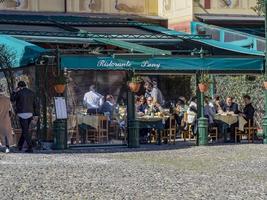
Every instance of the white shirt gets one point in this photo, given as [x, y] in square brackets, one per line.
[93, 100]
[25, 115]
[209, 110]
[157, 95]
[191, 116]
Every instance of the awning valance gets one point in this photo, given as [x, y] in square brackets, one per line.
[25, 53]
[190, 64]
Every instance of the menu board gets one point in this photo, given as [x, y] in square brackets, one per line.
[60, 108]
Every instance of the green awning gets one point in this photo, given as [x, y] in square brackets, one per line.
[25, 53]
[230, 46]
[190, 64]
[133, 47]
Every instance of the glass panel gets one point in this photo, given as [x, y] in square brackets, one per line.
[101, 117]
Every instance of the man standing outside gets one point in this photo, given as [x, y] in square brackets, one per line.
[26, 109]
[93, 100]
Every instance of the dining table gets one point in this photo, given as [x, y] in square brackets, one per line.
[232, 119]
[153, 122]
[90, 120]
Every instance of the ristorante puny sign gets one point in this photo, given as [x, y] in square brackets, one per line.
[163, 63]
[126, 64]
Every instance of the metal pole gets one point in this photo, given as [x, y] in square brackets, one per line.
[60, 125]
[45, 104]
[198, 104]
[38, 96]
[202, 125]
[265, 91]
[133, 129]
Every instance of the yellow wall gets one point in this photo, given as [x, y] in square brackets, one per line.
[33, 5]
[142, 7]
[171, 9]
[242, 7]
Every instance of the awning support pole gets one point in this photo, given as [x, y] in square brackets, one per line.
[44, 110]
[133, 129]
[202, 121]
[38, 96]
[198, 104]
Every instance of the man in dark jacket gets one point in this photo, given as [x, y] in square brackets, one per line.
[230, 107]
[108, 106]
[248, 111]
[26, 110]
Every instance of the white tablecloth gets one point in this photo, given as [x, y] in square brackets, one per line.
[232, 119]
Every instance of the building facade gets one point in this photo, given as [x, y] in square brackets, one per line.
[178, 13]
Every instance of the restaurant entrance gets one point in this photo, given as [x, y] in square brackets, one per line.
[108, 124]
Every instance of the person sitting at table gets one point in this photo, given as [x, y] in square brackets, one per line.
[230, 107]
[192, 114]
[218, 104]
[152, 107]
[180, 109]
[209, 110]
[248, 111]
[93, 100]
[108, 107]
[153, 91]
[142, 106]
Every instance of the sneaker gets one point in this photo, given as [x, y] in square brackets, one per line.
[7, 150]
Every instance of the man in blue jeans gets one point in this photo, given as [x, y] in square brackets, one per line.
[26, 109]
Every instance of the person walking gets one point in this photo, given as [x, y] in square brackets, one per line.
[26, 110]
[5, 122]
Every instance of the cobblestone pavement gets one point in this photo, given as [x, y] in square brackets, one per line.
[187, 172]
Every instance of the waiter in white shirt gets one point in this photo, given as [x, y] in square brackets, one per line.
[92, 100]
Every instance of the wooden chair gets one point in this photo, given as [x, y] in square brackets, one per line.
[102, 135]
[73, 129]
[113, 130]
[169, 134]
[213, 133]
[153, 138]
[91, 135]
[249, 132]
[188, 133]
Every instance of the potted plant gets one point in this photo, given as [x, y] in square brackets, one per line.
[204, 82]
[60, 82]
[135, 83]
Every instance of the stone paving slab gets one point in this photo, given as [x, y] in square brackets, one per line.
[167, 172]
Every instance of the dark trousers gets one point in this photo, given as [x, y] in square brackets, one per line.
[26, 135]
[92, 111]
[225, 127]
